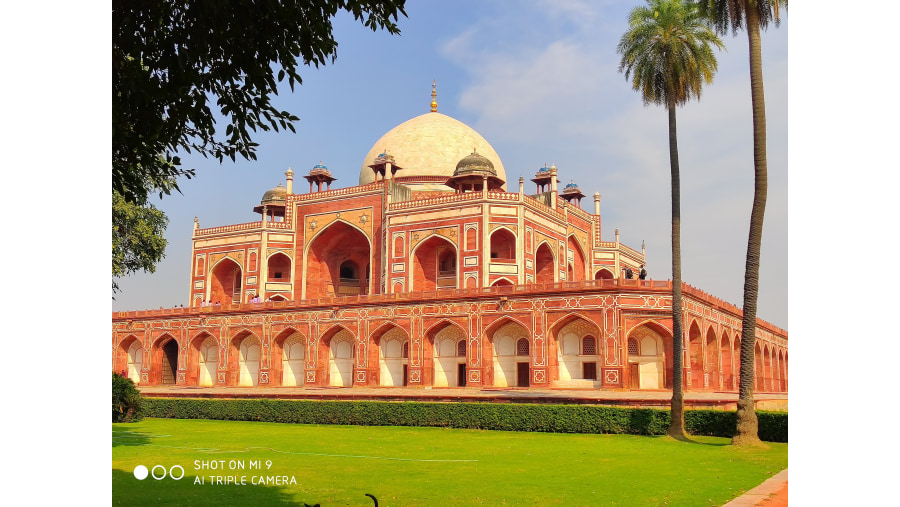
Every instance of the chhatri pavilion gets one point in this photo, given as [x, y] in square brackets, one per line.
[433, 271]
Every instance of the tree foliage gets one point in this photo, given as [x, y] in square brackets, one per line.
[667, 52]
[137, 237]
[127, 405]
[751, 15]
[732, 15]
[668, 55]
[178, 65]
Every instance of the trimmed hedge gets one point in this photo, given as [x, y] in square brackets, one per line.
[486, 416]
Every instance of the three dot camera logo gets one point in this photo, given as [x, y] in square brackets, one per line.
[159, 472]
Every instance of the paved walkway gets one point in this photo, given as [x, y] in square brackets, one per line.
[771, 493]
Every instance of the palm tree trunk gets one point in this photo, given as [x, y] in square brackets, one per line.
[676, 427]
[747, 424]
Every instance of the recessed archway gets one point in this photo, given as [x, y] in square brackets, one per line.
[434, 265]
[695, 352]
[604, 274]
[712, 358]
[339, 350]
[503, 246]
[288, 359]
[449, 350]
[164, 360]
[544, 264]
[225, 282]
[203, 360]
[577, 262]
[340, 249]
[244, 359]
[130, 358]
[649, 357]
[575, 350]
[726, 354]
[392, 347]
[279, 268]
[504, 358]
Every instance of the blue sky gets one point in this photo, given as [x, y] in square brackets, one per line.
[539, 81]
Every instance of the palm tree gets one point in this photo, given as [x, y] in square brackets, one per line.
[754, 14]
[666, 52]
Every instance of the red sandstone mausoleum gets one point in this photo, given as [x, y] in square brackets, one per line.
[432, 273]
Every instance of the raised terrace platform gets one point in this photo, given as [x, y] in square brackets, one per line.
[646, 399]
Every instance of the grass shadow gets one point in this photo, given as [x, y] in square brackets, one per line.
[122, 435]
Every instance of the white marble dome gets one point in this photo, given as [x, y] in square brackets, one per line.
[429, 146]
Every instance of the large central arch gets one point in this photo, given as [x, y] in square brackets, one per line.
[337, 262]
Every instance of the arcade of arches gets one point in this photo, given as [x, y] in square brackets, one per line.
[446, 345]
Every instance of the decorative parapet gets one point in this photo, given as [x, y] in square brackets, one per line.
[337, 192]
[230, 228]
[624, 250]
[619, 285]
[433, 201]
[543, 209]
[580, 213]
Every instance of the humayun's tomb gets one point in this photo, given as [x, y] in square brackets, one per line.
[432, 273]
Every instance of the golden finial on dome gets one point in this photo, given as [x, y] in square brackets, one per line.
[434, 96]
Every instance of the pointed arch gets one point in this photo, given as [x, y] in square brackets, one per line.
[695, 354]
[443, 365]
[280, 268]
[289, 352]
[604, 274]
[326, 251]
[337, 355]
[434, 264]
[226, 281]
[203, 360]
[244, 359]
[503, 243]
[500, 353]
[578, 261]
[565, 350]
[726, 353]
[544, 264]
[759, 371]
[164, 360]
[386, 350]
[712, 358]
[649, 356]
[502, 282]
[129, 357]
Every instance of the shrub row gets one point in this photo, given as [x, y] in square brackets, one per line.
[486, 416]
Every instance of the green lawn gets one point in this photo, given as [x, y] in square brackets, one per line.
[338, 465]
